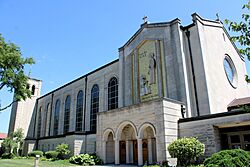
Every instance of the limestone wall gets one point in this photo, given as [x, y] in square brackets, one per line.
[78, 144]
[210, 44]
[207, 130]
[100, 77]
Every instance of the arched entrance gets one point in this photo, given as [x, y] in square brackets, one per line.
[109, 147]
[147, 135]
[126, 144]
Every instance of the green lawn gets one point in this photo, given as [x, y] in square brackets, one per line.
[30, 163]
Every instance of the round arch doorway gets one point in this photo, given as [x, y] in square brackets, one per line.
[128, 145]
[147, 135]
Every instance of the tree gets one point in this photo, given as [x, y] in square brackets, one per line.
[18, 137]
[242, 30]
[14, 143]
[8, 145]
[12, 74]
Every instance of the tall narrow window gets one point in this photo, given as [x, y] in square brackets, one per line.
[79, 111]
[45, 119]
[67, 114]
[56, 117]
[33, 90]
[94, 107]
[39, 122]
[113, 94]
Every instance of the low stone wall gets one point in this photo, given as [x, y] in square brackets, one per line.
[78, 144]
[207, 128]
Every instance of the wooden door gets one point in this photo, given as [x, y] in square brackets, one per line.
[145, 150]
[122, 152]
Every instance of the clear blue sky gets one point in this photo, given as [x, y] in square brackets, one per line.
[68, 38]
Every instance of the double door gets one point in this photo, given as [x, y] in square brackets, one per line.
[134, 151]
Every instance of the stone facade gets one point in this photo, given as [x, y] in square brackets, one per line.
[159, 115]
[207, 129]
[129, 109]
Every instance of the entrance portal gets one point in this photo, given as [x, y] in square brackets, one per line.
[147, 135]
[110, 149]
[128, 145]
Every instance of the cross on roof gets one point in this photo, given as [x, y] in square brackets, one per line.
[218, 17]
[145, 19]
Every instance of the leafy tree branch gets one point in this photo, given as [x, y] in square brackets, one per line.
[12, 74]
[242, 30]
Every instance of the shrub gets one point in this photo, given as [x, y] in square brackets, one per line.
[86, 160]
[97, 160]
[186, 150]
[232, 158]
[8, 155]
[43, 159]
[51, 154]
[34, 153]
[63, 150]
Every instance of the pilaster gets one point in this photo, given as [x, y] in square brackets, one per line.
[158, 66]
[117, 152]
[121, 79]
[140, 158]
[136, 74]
[150, 151]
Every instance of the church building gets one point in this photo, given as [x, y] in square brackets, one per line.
[169, 81]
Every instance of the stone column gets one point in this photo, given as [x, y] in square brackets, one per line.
[140, 158]
[127, 151]
[104, 147]
[117, 152]
[150, 151]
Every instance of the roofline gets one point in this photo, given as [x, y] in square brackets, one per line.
[35, 79]
[83, 133]
[222, 26]
[210, 116]
[77, 79]
[150, 25]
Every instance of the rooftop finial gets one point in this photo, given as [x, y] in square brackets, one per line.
[218, 17]
[145, 19]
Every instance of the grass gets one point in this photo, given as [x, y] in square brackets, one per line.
[30, 163]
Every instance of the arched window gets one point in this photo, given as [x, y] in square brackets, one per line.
[39, 122]
[94, 108]
[67, 114]
[47, 119]
[79, 111]
[56, 117]
[113, 94]
[33, 90]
